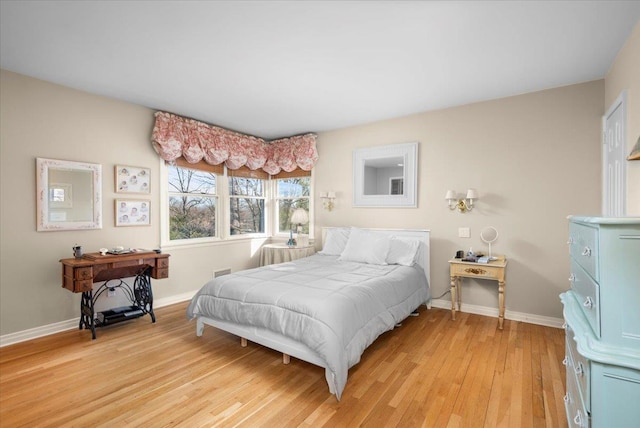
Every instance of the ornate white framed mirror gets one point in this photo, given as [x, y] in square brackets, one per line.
[69, 195]
[386, 176]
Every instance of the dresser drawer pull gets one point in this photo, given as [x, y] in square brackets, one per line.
[578, 419]
[578, 369]
[566, 398]
[570, 241]
[586, 252]
[588, 303]
[565, 361]
[572, 277]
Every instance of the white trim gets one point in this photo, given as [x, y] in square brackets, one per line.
[607, 210]
[72, 324]
[510, 315]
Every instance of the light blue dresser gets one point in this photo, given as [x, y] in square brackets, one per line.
[602, 315]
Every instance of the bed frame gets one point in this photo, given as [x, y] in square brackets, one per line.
[292, 348]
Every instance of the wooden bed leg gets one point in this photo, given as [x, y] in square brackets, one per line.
[243, 342]
[286, 358]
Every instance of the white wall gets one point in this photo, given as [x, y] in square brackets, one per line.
[41, 119]
[534, 159]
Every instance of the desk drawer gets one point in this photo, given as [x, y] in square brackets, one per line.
[479, 270]
[162, 263]
[583, 246]
[160, 273]
[588, 295]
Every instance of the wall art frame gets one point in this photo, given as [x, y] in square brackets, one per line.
[132, 179]
[132, 212]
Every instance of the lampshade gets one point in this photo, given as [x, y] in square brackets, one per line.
[450, 194]
[300, 216]
[331, 194]
[472, 194]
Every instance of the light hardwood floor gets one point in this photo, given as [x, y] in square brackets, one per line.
[430, 372]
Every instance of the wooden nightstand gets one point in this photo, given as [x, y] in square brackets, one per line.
[494, 270]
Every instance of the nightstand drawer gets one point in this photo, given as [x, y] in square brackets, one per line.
[588, 295]
[583, 246]
[476, 270]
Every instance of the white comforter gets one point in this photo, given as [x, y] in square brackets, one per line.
[335, 308]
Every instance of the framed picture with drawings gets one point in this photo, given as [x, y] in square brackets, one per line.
[132, 179]
[133, 212]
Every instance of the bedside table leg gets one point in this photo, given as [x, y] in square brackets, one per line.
[501, 304]
[453, 298]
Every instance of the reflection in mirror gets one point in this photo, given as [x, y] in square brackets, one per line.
[385, 176]
[69, 195]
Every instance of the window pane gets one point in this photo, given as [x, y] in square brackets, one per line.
[246, 186]
[192, 217]
[247, 216]
[285, 211]
[294, 187]
[184, 180]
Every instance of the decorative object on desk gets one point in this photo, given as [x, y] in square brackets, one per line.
[77, 251]
[635, 152]
[132, 212]
[132, 179]
[328, 200]
[103, 251]
[459, 254]
[462, 204]
[489, 235]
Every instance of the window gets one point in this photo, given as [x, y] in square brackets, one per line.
[193, 203]
[291, 193]
[202, 203]
[246, 205]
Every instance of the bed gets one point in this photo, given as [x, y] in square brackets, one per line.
[325, 309]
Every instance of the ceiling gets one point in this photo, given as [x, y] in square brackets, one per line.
[279, 68]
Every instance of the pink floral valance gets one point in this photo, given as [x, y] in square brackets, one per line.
[174, 136]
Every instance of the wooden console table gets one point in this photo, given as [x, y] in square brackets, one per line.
[494, 270]
[79, 275]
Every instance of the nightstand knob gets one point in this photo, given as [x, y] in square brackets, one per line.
[578, 369]
[572, 278]
[565, 361]
[588, 303]
[570, 241]
[566, 398]
[586, 252]
[577, 420]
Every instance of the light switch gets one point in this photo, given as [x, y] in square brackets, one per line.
[463, 232]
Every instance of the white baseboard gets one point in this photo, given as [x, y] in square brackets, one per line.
[510, 315]
[45, 330]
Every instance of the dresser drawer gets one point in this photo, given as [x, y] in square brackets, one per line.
[583, 246]
[580, 366]
[577, 415]
[588, 295]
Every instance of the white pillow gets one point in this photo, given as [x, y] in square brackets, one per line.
[403, 251]
[335, 241]
[366, 247]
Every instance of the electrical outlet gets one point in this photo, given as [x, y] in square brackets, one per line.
[464, 232]
[111, 292]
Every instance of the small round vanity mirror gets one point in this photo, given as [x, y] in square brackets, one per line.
[489, 235]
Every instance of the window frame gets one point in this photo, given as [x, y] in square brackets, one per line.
[276, 211]
[223, 231]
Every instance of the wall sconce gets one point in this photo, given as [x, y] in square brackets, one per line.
[462, 204]
[328, 200]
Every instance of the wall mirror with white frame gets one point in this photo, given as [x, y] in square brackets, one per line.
[386, 176]
[69, 195]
